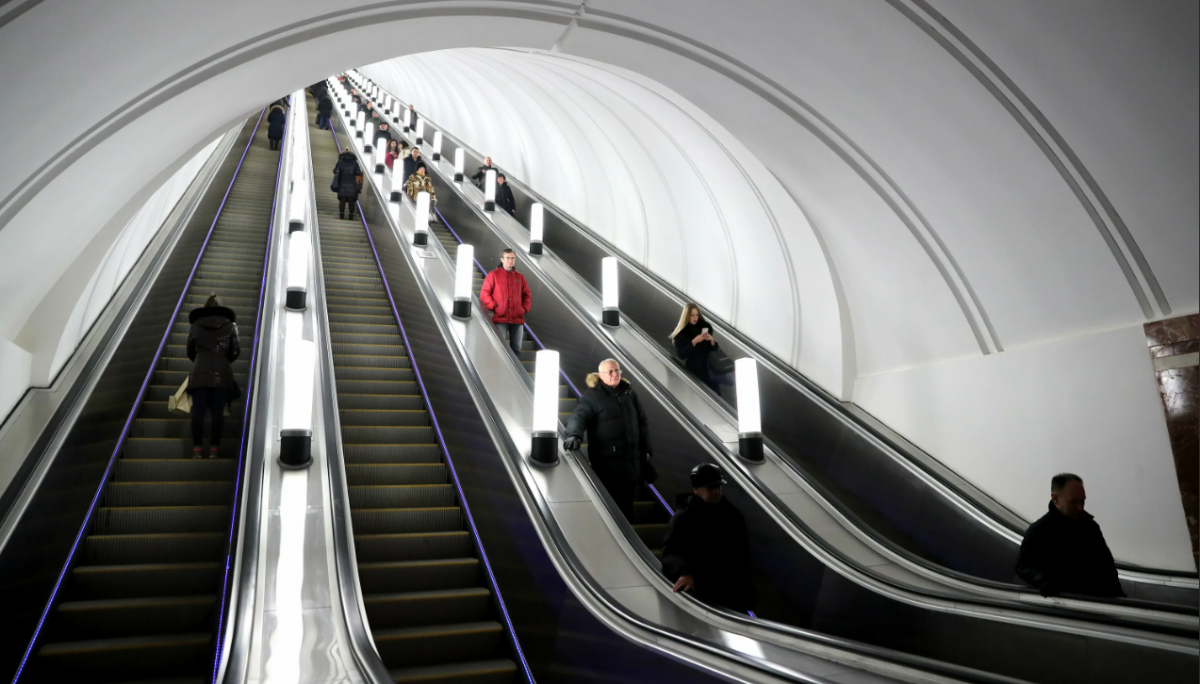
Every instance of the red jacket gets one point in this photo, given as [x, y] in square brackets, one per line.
[506, 295]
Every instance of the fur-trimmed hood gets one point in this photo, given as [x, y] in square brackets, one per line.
[217, 313]
[593, 380]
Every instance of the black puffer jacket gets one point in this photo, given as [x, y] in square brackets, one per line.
[347, 171]
[709, 542]
[212, 346]
[480, 175]
[325, 106]
[617, 433]
[1068, 555]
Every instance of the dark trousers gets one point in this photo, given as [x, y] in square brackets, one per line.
[323, 122]
[621, 490]
[344, 206]
[205, 399]
[515, 332]
[274, 143]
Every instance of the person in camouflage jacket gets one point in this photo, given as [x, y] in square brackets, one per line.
[420, 182]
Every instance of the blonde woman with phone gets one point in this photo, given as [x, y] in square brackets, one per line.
[693, 343]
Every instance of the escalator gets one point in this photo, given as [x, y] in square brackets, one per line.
[650, 511]
[144, 597]
[431, 612]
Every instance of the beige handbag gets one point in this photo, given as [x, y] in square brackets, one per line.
[182, 401]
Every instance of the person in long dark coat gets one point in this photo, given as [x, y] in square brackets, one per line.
[212, 346]
[324, 111]
[275, 120]
[618, 434]
[480, 175]
[504, 196]
[347, 178]
[1064, 551]
[706, 551]
[693, 343]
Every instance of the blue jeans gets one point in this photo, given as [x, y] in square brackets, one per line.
[515, 332]
[322, 122]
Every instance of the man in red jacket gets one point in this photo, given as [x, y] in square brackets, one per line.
[506, 294]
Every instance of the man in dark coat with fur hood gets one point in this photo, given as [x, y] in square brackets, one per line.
[617, 433]
[212, 346]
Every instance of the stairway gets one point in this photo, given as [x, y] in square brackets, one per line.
[649, 516]
[141, 603]
[430, 610]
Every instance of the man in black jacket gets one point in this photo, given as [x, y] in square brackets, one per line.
[1064, 551]
[706, 551]
[480, 174]
[324, 110]
[409, 167]
[504, 196]
[617, 433]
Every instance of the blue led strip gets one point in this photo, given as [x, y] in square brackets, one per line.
[657, 495]
[441, 440]
[132, 415]
[237, 484]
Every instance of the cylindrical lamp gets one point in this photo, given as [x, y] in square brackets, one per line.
[610, 294]
[464, 272]
[544, 449]
[407, 120]
[299, 249]
[460, 162]
[420, 131]
[295, 426]
[421, 226]
[379, 160]
[368, 136]
[437, 145]
[750, 438]
[536, 227]
[489, 191]
[298, 205]
[359, 120]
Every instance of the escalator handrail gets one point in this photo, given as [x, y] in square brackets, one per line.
[442, 443]
[53, 600]
[234, 642]
[571, 561]
[703, 432]
[985, 505]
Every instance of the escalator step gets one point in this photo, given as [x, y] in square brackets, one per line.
[415, 646]
[395, 473]
[474, 672]
[412, 546]
[409, 417]
[196, 493]
[391, 453]
[425, 575]
[148, 579]
[163, 655]
[162, 519]
[381, 520]
[439, 607]
[372, 373]
[118, 549]
[351, 401]
[384, 434]
[133, 616]
[402, 496]
[174, 470]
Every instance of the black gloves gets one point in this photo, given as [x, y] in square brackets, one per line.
[571, 443]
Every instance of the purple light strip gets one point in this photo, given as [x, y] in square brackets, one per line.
[132, 415]
[480, 267]
[441, 439]
[237, 484]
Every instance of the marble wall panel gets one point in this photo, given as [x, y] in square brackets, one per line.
[1179, 387]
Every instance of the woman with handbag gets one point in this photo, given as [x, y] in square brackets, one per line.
[212, 346]
[694, 344]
